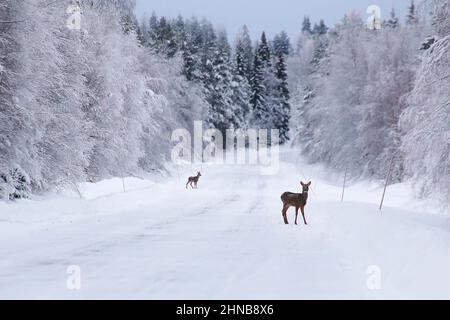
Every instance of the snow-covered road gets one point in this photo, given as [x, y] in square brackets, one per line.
[225, 240]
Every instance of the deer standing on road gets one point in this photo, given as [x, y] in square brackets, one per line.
[193, 180]
[297, 200]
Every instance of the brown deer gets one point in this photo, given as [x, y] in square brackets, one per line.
[193, 180]
[297, 200]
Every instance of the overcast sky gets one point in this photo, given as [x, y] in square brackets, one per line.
[269, 15]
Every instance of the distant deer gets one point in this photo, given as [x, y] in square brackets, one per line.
[297, 200]
[193, 180]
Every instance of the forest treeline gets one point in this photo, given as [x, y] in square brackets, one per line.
[102, 101]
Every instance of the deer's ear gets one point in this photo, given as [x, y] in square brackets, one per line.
[309, 183]
[301, 182]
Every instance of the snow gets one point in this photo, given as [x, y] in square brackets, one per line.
[225, 239]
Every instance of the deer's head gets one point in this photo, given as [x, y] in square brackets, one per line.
[199, 174]
[305, 186]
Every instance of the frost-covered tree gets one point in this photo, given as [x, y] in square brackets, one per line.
[426, 121]
[412, 16]
[79, 104]
[242, 91]
[263, 51]
[320, 29]
[440, 17]
[170, 102]
[392, 22]
[207, 46]
[332, 117]
[357, 96]
[178, 27]
[306, 69]
[391, 66]
[153, 25]
[262, 83]
[165, 36]
[244, 53]
[114, 97]
[14, 133]
[189, 64]
[258, 100]
[270, 93]
[282, 110]
[306, 25]
[217, 82]
[50, 86]
[281, 44]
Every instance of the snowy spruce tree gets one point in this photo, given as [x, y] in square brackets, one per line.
[412, 17]
[179, 31]
[320, 28]
[282, 110]
[165, 38]
[217, 81]
[260, 83]
[306, 25]
[263, 51]
[392, 22]
[241, 85]
[281, 44]
[152, 33]
[257, 99]
[244, 53]
[189, 65]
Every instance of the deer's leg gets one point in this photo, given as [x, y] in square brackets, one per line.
[303, 214]
[284, 213]
[187, 184]
[296, 214]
